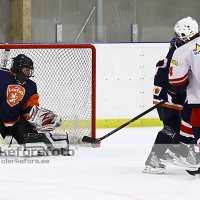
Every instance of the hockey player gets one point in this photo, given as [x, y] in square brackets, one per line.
[184, 74]
[172, 42]
[169, 113]
[20, 115]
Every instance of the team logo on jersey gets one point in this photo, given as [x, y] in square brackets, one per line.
[196, 51]
[174, 62]
[15, 94]
[157, 90]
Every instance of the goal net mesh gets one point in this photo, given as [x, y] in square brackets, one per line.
[65, 77]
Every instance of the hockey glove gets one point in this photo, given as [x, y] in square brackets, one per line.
[173, 97]
[44, 120]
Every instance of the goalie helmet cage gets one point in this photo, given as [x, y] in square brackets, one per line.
[66, 81]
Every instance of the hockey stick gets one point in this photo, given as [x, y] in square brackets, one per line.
[194, 172]
[95, 140]
[4, 59]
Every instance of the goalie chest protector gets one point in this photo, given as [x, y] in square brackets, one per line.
[13, 96]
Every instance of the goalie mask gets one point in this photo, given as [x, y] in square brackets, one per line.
[185, 29]
[22, 67]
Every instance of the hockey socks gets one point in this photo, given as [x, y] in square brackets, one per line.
[163, 140]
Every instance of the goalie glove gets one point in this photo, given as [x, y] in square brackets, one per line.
[44, 120]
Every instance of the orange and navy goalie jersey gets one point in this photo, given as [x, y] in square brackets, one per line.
[15, 99]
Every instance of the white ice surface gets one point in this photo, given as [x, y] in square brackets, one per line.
[111, 172]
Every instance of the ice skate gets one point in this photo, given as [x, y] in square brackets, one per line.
[167, 157]
[183, 156]
[153, 165]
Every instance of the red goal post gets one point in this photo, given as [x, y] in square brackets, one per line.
[66, 80]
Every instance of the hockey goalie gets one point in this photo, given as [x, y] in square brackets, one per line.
[20, 114]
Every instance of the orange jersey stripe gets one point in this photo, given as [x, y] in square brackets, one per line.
[33, 101]
[167, 105]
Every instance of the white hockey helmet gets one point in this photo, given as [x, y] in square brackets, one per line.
[186, 28]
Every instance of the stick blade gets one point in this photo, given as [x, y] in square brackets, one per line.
[194, 173]
[89, 140]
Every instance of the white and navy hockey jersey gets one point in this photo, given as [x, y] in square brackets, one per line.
[184, 71]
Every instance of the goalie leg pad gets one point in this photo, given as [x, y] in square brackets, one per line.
[39, 137]
[3, 145]
[3, 129]
[21, 130]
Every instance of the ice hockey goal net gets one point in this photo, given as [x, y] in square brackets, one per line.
[66, 81]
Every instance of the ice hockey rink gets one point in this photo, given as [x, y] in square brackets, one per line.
[113, 171]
